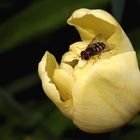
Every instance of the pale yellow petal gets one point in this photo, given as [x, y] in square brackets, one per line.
[92, 22]
[68, 56]
[64, 83]
[46, 70]
[77, 47]
[107, 94]
[67, 68]
[100, 94]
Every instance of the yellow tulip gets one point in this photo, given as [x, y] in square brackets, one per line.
[99, 94]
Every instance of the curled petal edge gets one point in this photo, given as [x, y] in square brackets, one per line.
[89, 23]
[46, 68]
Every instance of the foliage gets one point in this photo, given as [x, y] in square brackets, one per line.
[27, 29]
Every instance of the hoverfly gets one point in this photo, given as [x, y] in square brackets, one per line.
[95, 47]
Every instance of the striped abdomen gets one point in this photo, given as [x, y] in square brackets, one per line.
[93, 49]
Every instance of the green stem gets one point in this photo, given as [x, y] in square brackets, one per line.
[9, 100]
[116, 135]
[23, 83]
[118, 9]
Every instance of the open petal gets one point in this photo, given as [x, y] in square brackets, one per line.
[46, 70]
[92, 22]
[69, 57]
[64, 83]
[100, 94]
[109, 95]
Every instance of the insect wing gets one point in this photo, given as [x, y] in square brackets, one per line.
[100, 38]
[97, 38]
[109, 47]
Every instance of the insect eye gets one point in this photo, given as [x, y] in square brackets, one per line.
[84, 55]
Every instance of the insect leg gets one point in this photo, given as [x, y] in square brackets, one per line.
[99, 56]
[94, 59]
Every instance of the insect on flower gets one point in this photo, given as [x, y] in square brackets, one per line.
[97, 98]
[95, 47]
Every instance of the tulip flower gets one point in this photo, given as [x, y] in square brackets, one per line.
[103, 92]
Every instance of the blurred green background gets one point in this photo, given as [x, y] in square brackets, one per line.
[27, 30]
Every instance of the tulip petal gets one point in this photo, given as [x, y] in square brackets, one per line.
[46, 70]
[64, 83]
[68, 56]
[92, 22]
[103, 92]
[109, 95]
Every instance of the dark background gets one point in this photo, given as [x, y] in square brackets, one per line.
[27, 30]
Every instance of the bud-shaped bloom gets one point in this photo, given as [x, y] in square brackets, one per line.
[101, 91]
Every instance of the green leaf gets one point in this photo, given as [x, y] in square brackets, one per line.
[23, 83]
[5, 4]
[57, 123]
[117, 9]
[39, 18]
[115, 135]
[7, 100]
[134, 135]
[134, 37]
[135, 121]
